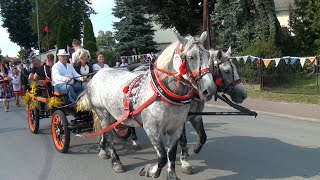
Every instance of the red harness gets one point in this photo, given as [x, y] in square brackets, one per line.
[159, 91]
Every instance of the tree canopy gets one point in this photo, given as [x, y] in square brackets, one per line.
[89, 40]
[15, 16]
[134, 30]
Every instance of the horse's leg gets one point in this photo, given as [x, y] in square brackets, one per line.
[102, 148]
[135, 142]
[149, 170]
[185, 165]
[172, 153]
[117, 165]
[197, 124]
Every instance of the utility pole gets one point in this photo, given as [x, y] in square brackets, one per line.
[37, 9]
[206, 23]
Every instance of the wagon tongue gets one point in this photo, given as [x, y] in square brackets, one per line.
[242, 110]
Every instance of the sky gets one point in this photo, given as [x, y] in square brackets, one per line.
[101, 21]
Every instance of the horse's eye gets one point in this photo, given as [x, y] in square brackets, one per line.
[227, 71]
[190, 57]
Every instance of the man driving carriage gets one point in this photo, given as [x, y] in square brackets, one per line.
[63, 75]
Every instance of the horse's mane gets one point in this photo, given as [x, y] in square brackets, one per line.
[166, 56]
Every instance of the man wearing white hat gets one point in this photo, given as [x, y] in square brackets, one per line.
[63, 74]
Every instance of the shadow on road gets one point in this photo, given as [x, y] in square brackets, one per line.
[258, 157]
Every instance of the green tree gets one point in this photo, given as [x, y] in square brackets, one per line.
[304, 21]
[183, 15]
[239, 23]
[134, 31]
[52, 12]
[105, 41]
[15, 17]
[63, 38]
[89, 40]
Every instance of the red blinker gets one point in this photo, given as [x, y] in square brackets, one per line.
[183, 68]
[218, 82]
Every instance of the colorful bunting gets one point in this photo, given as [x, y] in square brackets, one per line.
[267, 62]
[277, 60]
[238, 58]
[286, 59]
[252, 58]
[293, 60]
[302, 61]
[245, 58]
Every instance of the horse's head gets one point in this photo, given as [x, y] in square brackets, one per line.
[226, 76]
[194, 63]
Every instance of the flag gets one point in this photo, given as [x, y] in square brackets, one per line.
[267, 62]
[286, 59]
[293, 60]
[238, 58]
[252, 58]
[302, 61]
[277, 60]
[245, 58]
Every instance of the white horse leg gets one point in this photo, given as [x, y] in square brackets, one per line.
[102, 148]
[135, 142]
[172, 153]
[185, 165]
[155, 171]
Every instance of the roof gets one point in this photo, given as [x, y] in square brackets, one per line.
[283, 5]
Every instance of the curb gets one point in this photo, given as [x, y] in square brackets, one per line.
[267, 113]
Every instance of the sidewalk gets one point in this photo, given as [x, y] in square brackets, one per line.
[284, 109]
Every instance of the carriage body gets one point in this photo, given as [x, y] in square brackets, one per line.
[64, 118]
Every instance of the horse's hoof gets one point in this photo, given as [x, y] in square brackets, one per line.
[103, 154]
[145, 171]
[118, 167]
[187, 151]
[187, 170]
[136, 147]
[172, 177]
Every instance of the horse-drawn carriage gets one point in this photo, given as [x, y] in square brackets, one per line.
[41, 104]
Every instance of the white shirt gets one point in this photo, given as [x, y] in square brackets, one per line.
[75, 55]
[84, 70]
[60, 73]
[96, 67]
[16, 83]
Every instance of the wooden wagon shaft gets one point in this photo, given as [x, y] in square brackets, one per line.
[41, 99]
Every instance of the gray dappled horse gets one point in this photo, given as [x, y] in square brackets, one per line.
[167, 113]
[227, 81]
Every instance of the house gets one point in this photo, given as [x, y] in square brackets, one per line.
[282, 10]
[164, 37]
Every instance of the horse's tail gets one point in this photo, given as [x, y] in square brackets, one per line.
[84, 103]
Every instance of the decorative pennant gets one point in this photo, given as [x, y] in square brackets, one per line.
[286, 59]
[302, 61]
[252, 58]
[267, 62]
[312, 59]
[277, 60]
[293, 60]
[245, 58]
[238, 58]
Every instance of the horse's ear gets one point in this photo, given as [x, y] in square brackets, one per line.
[181, 39]
[229, 51]
[203, 36]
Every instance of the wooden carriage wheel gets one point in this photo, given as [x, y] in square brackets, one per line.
[33, 119]
[60, 131]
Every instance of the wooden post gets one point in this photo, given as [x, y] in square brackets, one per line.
[206, 23]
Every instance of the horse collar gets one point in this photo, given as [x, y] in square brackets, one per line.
[165, 94]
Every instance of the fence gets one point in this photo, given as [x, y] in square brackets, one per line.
[285, 75]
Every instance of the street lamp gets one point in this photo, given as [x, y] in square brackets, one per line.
[37, 11]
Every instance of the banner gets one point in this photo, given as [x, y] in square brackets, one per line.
[293, 60]
[286, 59]
[238, 58]
[252, 58]
[245, 58]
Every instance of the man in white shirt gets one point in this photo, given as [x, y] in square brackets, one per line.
[75, 56]
[63, 75]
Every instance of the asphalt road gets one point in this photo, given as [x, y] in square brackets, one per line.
[241, 148]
